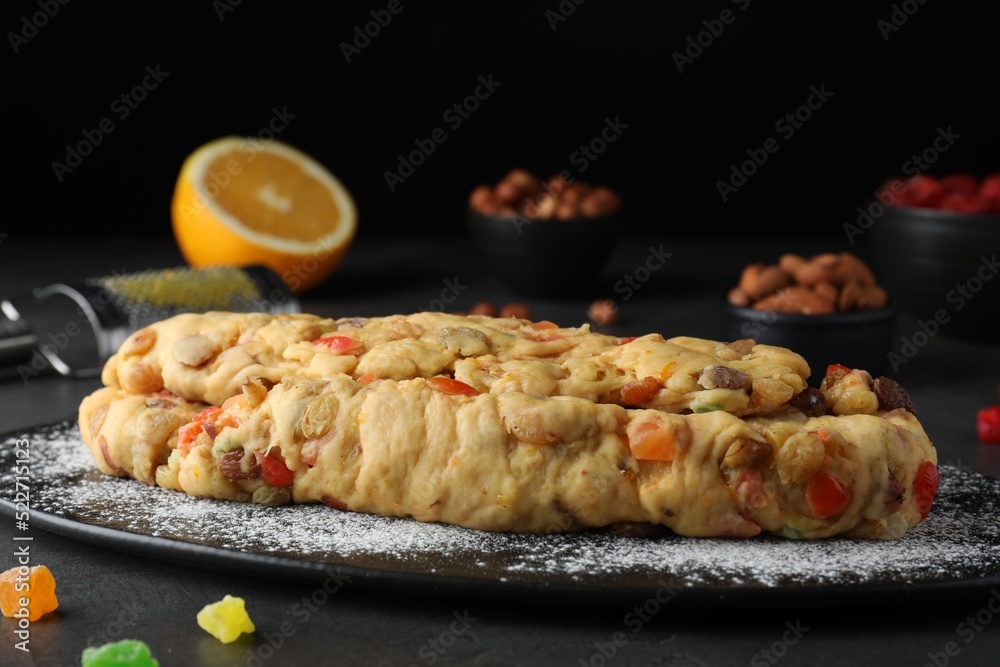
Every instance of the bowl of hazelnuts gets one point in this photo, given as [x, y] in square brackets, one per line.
[830, 308]
[541, 237]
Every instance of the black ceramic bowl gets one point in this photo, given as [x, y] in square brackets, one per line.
[545, 258]
[941, 265]
[859, 339]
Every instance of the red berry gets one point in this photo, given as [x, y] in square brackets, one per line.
[964, 183]
[989, 189]
[988, 424]
[924, 190]
[964, 203]
[453, 387]
[274, 471]
[925, 486]
[826, 495]
[341, 344]
[893, 192]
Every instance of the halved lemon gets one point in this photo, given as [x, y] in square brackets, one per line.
[240, 201]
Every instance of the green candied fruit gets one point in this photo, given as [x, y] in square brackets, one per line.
[791, 533]
[124, 653]
[709, 407]
[223, 444]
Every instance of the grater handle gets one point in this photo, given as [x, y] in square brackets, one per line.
[113, 312]
[16, 337]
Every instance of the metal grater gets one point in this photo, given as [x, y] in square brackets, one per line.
[117, 305]
[16, 337]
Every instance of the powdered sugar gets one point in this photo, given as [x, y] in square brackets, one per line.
[959, 541]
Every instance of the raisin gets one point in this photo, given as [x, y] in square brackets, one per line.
[641, 391]
[724, 377]
[231, 468]
[635, 529]
[894, 492]
[810, 401]
[891, 395]
[336, 504]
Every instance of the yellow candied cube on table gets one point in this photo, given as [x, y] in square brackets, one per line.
[226, 619]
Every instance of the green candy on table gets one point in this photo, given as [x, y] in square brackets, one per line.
[124, 653]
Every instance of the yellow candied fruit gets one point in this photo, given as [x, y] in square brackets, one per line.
[28, 592]
[226, 619]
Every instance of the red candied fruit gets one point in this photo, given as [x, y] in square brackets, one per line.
[925, 487]
[273, 469]
[923, 190]
[989, 189]
[965, 184]
[965, 203]
[988, 424]
[960, 192]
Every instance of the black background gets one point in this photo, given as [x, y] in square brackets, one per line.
[229, 67]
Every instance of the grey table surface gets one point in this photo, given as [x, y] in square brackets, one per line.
[107, 594]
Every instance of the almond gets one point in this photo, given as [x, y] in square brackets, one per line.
[791, 262]
[738, 297]
[852, 268]
[872, 298]
[748, 277]
[800, 299]
[827, 290]
[769, 280]
[849, 294]
[812, 272]
[827, 259]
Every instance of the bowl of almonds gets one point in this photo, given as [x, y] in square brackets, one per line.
[830, 308]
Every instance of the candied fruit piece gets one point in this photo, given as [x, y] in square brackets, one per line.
[989, 190]
[28, 592]
[967, 184]
[964, 203]
[226, 619]
[988, 424]
[924, 190]
[123, 653]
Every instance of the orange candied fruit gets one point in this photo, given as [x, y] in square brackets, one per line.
[28, 592]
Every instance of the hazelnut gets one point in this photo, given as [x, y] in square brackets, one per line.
[546, 206]
[573, 193]
[590, 205]
[606, 201]
[566, 211]
[484, 308]
[509, 193]
[603, 311]
[523, 193]
[515, 310]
